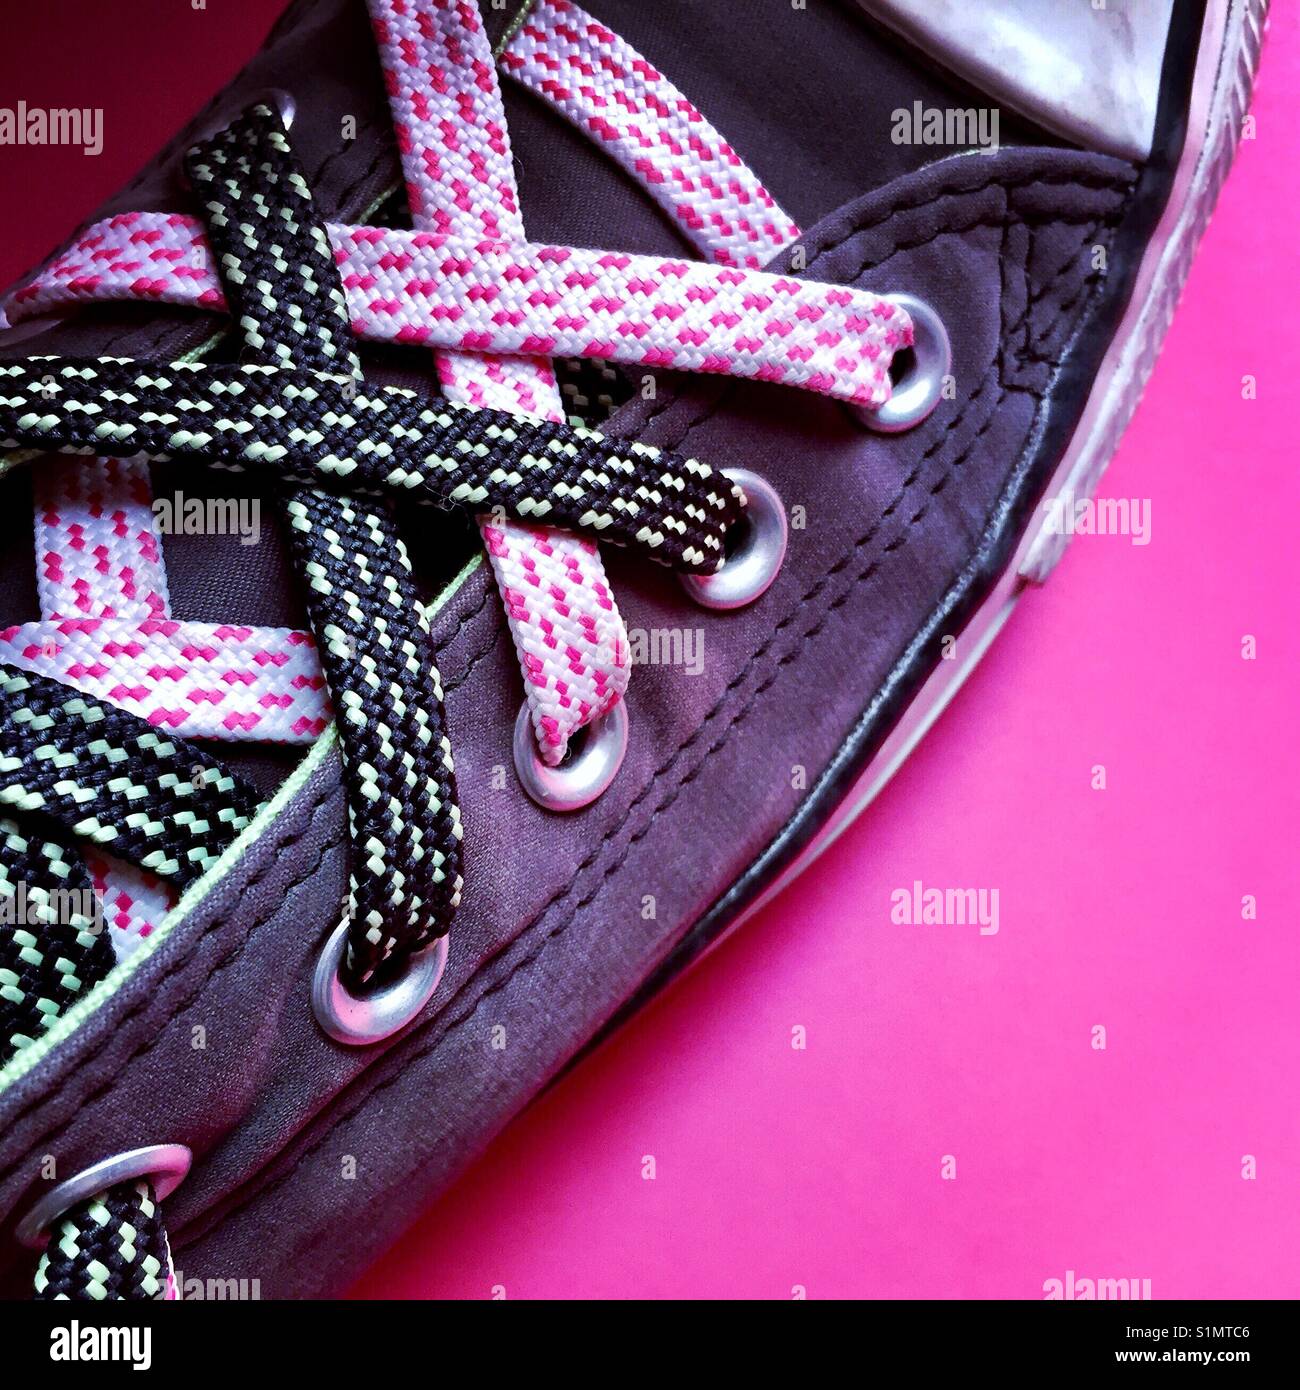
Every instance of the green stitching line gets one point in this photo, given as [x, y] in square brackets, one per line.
[512, 29]
[24, 1060]
[368, 212]
[31, 1056]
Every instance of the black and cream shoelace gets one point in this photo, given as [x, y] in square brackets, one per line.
[77, 771]
[112, 1246]
[321, 429]
[295, 407]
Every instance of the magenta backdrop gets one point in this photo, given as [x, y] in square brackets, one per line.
[823, 1168]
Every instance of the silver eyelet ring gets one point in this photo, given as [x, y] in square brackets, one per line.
[165, 1165]
[917, 393]
[362, 1019]
[748, 571]
[579, 781]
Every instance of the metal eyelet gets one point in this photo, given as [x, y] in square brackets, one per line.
[164, 1164]
[920, 388]
[590, 769]
[362, 1019]
[750, 568]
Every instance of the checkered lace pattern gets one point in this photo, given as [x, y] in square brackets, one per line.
[102, 800]
[569, 638]
[53, 947]
[111, 1246]
[321, 426]
[454, 293]
[628, 107]
[331, 432]
[404, 822]
[99, 775]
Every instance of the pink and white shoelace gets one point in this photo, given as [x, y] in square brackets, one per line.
[495, 309]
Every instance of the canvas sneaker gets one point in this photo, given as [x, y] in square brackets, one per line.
[509, 485]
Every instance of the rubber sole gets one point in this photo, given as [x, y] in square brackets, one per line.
[1227, 62]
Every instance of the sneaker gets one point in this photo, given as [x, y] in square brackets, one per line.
[441, 633]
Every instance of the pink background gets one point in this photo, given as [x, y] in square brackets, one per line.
[821, 1168]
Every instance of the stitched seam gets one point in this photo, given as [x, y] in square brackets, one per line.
[453, 1024]
[223, 1212]
[724, 391]
[1099, 184]
[1035, 340]
[313, 811]
[289, 838]
[182, 962]
[408, 1059]
[688, 427]
[478, 656]
[462, 626]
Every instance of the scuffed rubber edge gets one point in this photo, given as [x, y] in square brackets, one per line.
[1223, 121]
[854, 776]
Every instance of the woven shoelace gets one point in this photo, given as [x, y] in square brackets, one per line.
[635, 115]
[464, 276]
[111, 1246]
[324, 427]
[54, 946]
[77, 773]
[463, 279]
[403, 821]
[300, 412]
[316, 427]
[454, 143]
[112, 780]
[489, 295]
